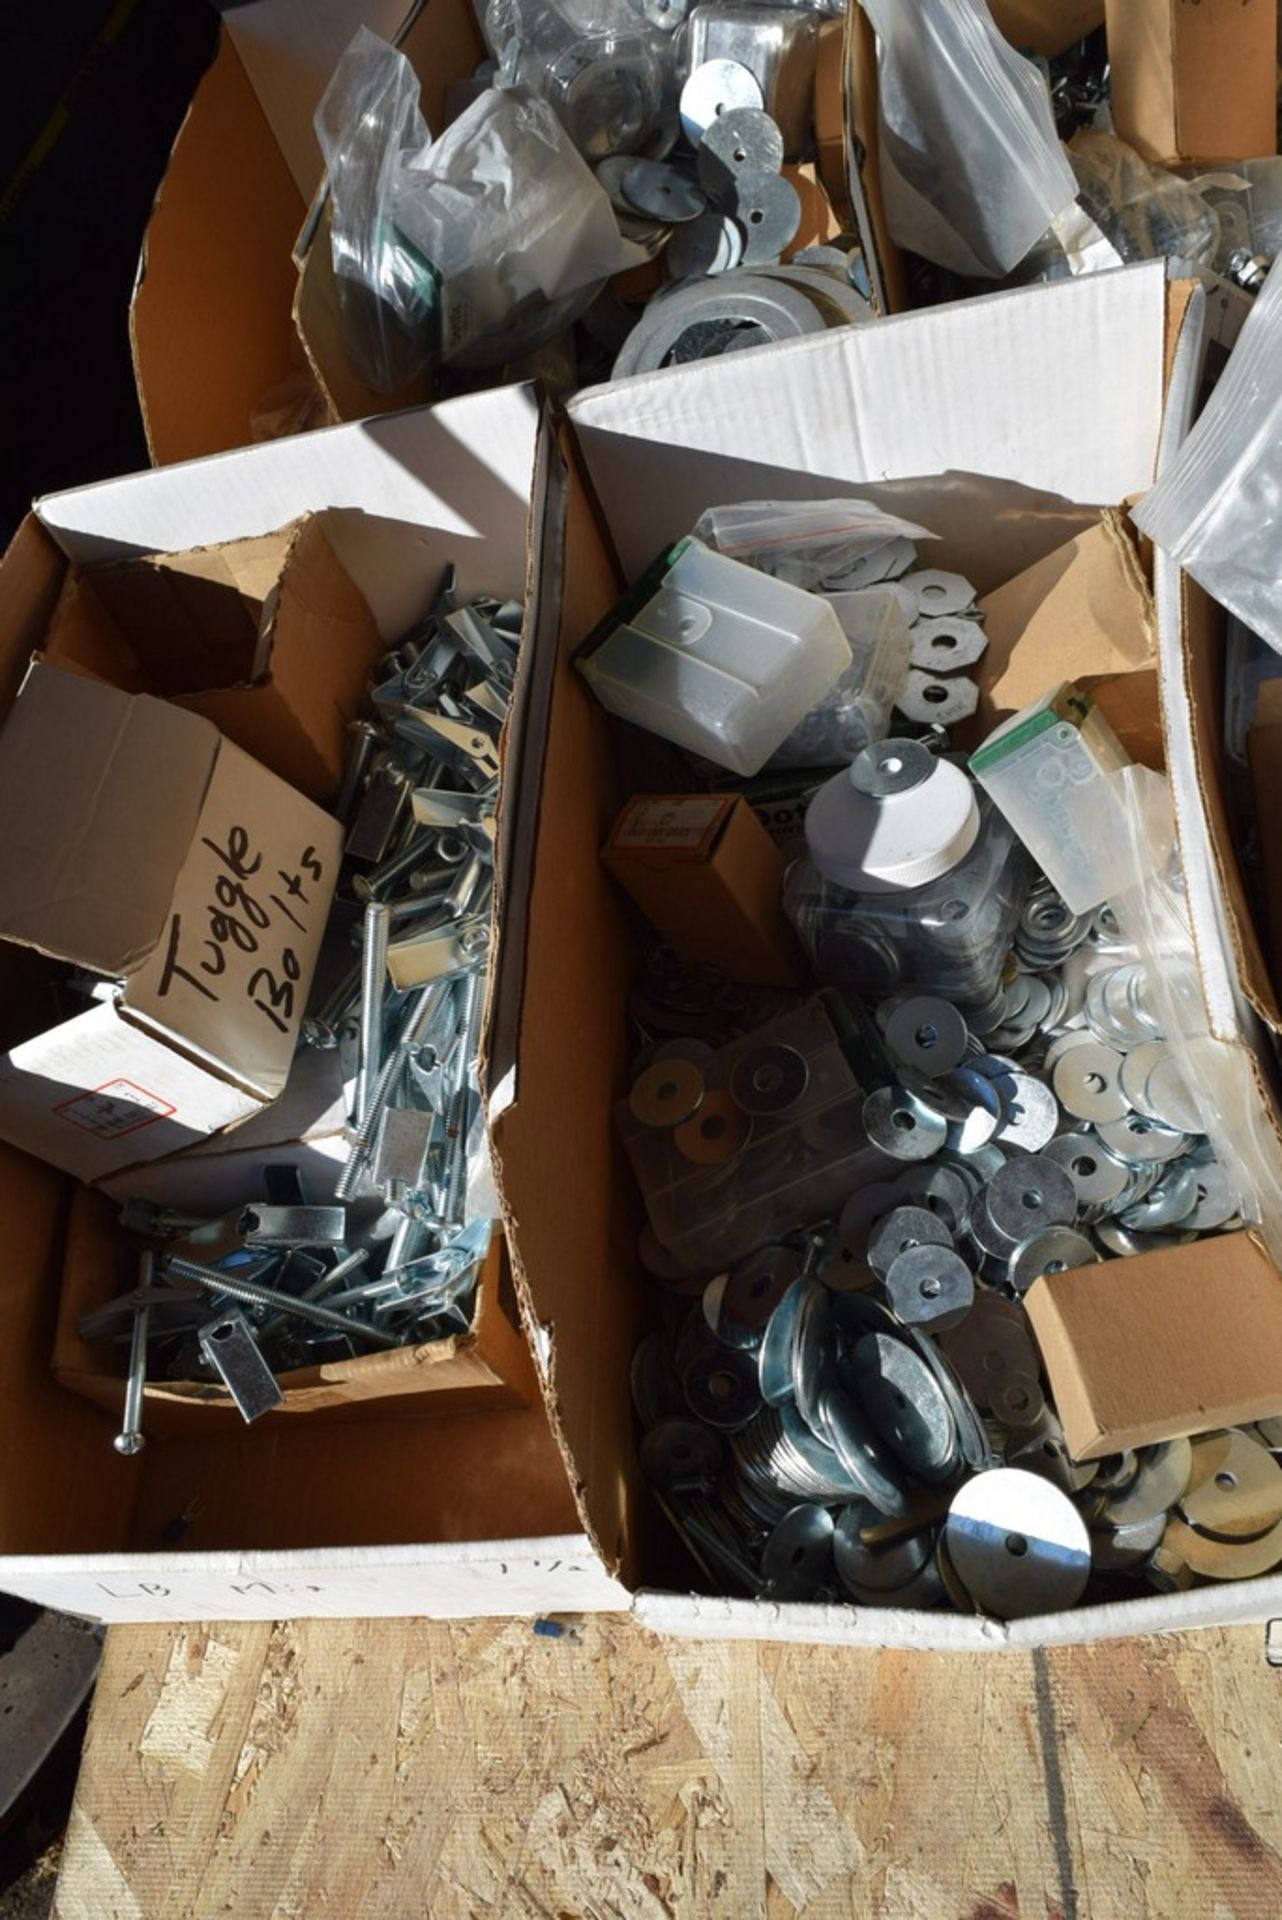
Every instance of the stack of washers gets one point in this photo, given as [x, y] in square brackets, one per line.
[857, 1411]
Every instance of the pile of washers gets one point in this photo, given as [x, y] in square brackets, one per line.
[722, 214]
[857, 1410]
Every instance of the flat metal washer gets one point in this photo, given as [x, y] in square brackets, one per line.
[902, 1228]
[1234, 1487]
[1169, 1098]
[939, 592]
[941, 1189]
[721, 1388]
[1018, 1545]
[865, 1461]
[767, 209]
[948, 644]
[902, 1125]
[769, 1079]
[753, 1289]
[774, 1358]
[609, 173]
[712, 244]
[930, 1287]
[927, 700]
[663, 192]
[1055, 1250]
[1098, 1175]
[797, 1556]
[1030, 1112]
[977, 1126]
[1088, 1083]
[881, 1569]
[813, 1358]
[1160, 1483]
[906, 1404]
[715, 1133]
[744, 140]
[716, 88]
[1028, 1194]
[667, 1093]
[1136, 1140]
[681, 1456]
[927, 1034]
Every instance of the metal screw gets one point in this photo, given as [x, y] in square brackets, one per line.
[378, 924]
[252, 1295]
[363, 1138]
[131, 1439]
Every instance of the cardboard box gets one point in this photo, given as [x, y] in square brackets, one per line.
[488, 1367]
[1047, 26]
[1008, 473]
[709, 879]
[267, 637]
[375, 1513]
[1194, 82]
[137, 847]
[1157, 1348]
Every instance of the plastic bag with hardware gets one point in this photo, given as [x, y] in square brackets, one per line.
[608, 68]
[971, 168]
[805, 542]
[1218, 508]
[473, 248]
[1146, 212]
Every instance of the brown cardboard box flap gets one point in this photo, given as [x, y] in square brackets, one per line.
[1161, 1345]
[1194, 81]
[1047, 26]
[100, 792]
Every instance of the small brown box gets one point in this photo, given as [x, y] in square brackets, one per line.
[1194, 82]
[709, 878]
[1164, 1344]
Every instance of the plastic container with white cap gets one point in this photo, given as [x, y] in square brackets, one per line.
[913, 879]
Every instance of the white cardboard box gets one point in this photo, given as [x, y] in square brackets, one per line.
[386, 1512]
[996, 423]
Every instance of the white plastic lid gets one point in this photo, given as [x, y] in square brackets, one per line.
[896, 819]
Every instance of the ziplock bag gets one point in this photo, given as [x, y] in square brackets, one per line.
[971, 168]
[472, 248]
[1218, 510]
[804, 542]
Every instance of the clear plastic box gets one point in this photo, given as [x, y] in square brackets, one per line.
[716, 657]
[1052, 770]
[949, 936]
[856, 711]
[777, 1170]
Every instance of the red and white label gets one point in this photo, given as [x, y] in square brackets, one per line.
[114, 1109]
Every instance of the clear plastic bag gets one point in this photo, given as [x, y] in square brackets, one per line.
[1218, 509]
[470, 249]
[1146, 212]
[971, 168]
[804, 542]
[606, 69]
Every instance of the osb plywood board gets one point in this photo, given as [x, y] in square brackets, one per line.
[405, 1768]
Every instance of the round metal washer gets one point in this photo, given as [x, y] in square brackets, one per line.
[863, 1458]
[663, 192]
[1135, 1140]
[942, 1190]
[905, 1402]
[927, 1034]
[753, 1289]
[744, 140]
[609, 173]
[1216, 1199]
[973, 1131]
[1018, 1400]
[1055, 1250]
[1136, 1068]
[1167, 1204]
[715, 1133]
[681, 1456]
[667, 1093]
[930, 1287]
[716, 88]
[1223, 1559]
[1169, 1098]
[938, 592]
[768, 210]
[891, 767]
[797, 1557]
[1028, 1194]
[813, 1361]
[1162, 1481]
[721, 1388]
[776, 310]
[1030, 1112]
[1018, 1545]
[769, 1079]
[1088, 1083]
[902, 1125]
[900, 1229]
[1235, 1486]
[712, 244]
[857, 1218]
[774, 1359]
[1119, 1549]
[927, 700]
[1097, 1175]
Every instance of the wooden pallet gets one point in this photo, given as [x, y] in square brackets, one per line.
[405, 1768]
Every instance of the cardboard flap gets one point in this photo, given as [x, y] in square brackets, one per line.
[100, 792]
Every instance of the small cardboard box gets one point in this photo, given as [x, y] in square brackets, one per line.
[1194, 82]
[143, 847]
[1153, 1349]
[267, 637]
[489, 1366]
[709, 879]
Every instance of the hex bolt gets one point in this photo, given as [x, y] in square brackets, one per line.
[131, 1439]
[250, 1294]
[364, 733]
[378, 924]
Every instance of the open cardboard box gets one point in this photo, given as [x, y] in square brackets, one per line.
[359, 1513]
[1013, 474]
